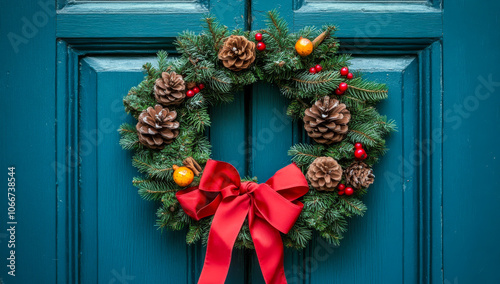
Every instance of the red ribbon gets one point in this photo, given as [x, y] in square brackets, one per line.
[271, 208]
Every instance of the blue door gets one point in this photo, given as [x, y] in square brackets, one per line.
[66, 65]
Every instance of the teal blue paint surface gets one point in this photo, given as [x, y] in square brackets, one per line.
[33, 110]
[106, 224]
[433, 211]
[471, 112]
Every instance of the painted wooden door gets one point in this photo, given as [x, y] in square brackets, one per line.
[67, 66]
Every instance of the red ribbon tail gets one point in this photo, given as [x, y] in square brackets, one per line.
[226, 225]
[269, 249]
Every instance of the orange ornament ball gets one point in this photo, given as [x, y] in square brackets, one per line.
[183, 176]
[304, 47]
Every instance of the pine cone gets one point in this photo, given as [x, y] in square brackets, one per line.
[170, 89]
[157, 127]
[190, 85]
[359, 175]
[237, 53]
[326, 121]
[324, 173]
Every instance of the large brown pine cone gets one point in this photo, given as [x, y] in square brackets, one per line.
[170, 89]
[359, 175]
[326, 121]
[324, 173]
[157, 127]
[237, 53]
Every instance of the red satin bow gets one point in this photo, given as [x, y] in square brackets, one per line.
[271, 208]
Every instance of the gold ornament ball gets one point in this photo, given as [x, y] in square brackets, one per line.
[183, 176]
[304, 47]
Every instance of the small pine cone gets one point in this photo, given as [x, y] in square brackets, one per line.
[157, 127]
[359, 175]
[170, 89]
[237, 53]
[326, 121]
[324, 173]
[190, 85]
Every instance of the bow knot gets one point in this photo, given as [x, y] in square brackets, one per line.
[248, 187]
[271, 208]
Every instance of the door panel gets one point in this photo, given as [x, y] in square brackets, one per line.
[97, 239]
[117, 228]
[386, 239]
[393, 242]
[118, 233]
[471, 115]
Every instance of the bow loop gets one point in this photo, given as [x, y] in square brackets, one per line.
[220, 177]
[275, 209]
[270, 207]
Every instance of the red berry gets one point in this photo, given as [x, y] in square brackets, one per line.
[312, 70]
[349, 76]
[341, 192]
[344, 71]
[358, 145]
[201, 86]
[258, 36]
[196, 90]
[318, 68]
[339, 92]
[343, 86]
[360, 154]
[190, 93]
[341, 186]
[261, 46]
[349, 191]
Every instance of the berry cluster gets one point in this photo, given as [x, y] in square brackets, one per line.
[315, 69]
[260, 45]
[359, 152]
[345, 190]
[195, 90]
[344, 71]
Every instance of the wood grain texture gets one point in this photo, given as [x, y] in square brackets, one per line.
[104, 80]
[373, 20]
[117, 226]
[24, 110]
[228, 136]
[142, 20]
[471, 82]
[395, 214]
[385, 239]
[272, 134]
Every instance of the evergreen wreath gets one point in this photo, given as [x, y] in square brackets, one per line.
[338, 109]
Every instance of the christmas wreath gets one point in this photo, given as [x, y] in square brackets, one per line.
[337, 107]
